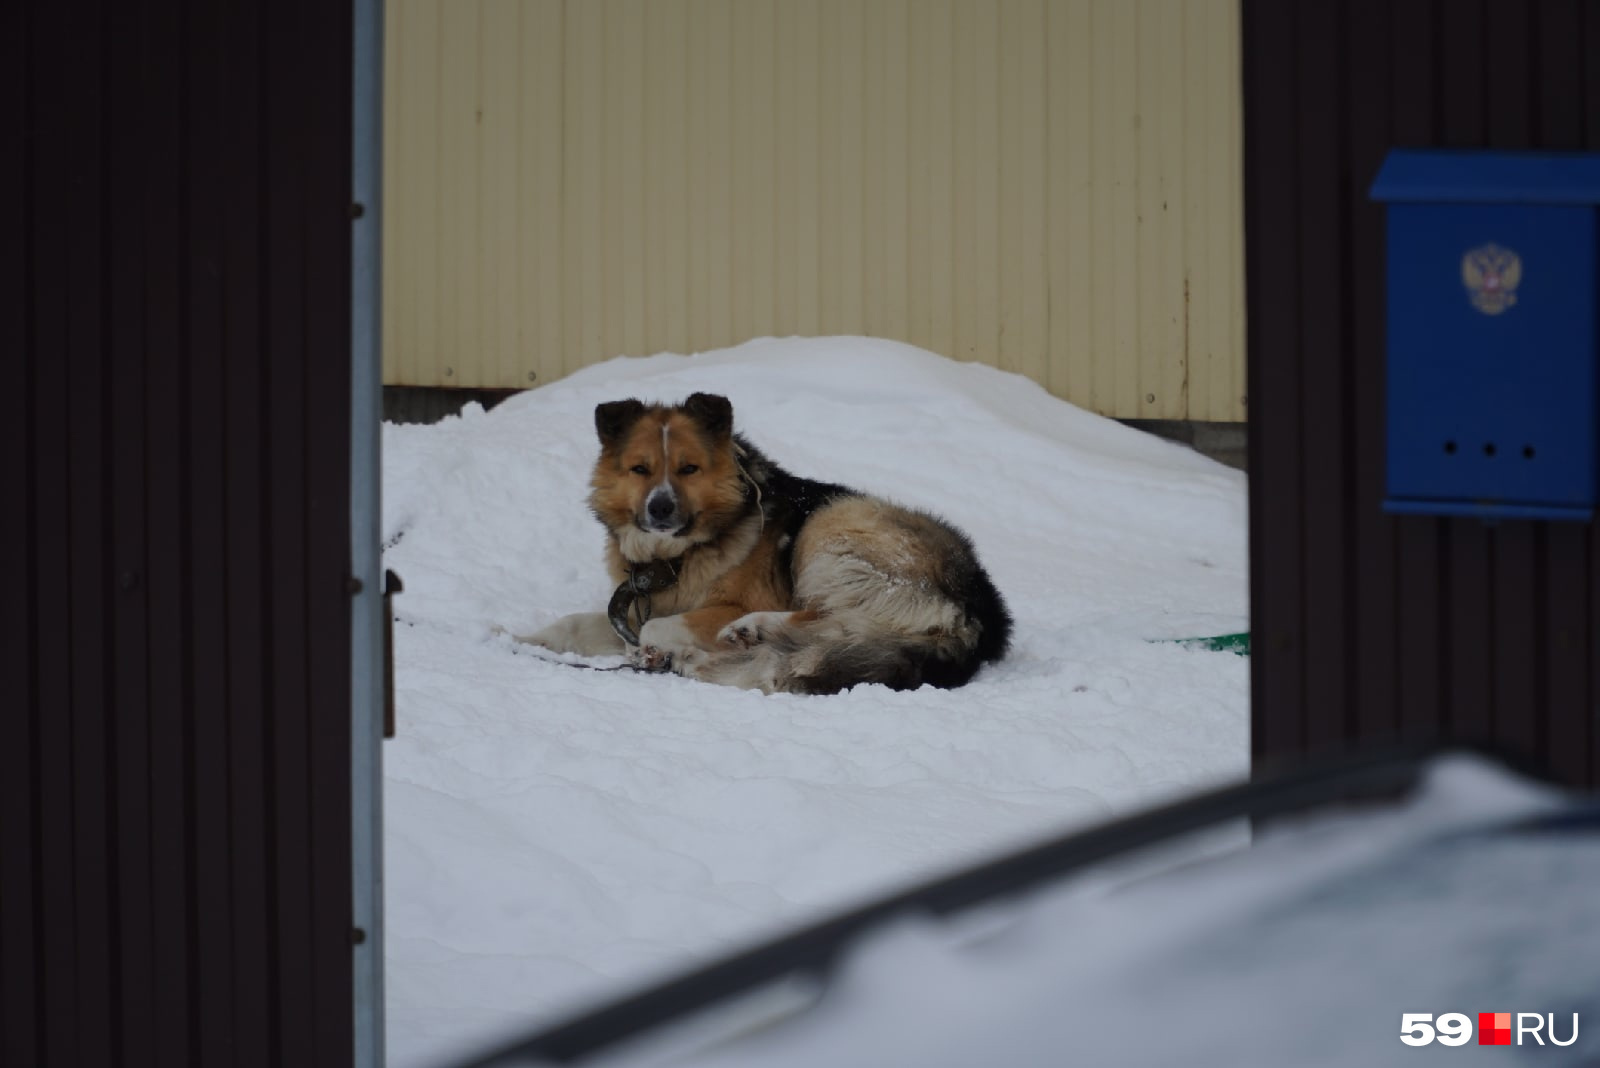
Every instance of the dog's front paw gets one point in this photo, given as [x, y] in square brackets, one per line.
[751, 629]
[739, 635]
[650, 658]
[665, 644]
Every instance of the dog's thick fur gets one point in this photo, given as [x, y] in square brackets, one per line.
[783, 584]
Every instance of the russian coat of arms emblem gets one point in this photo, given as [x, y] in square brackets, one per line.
[1491, 275]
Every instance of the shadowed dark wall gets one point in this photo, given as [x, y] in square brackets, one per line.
[174, 779]
[1369, 627]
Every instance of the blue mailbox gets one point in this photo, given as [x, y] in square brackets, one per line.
[1493, 291]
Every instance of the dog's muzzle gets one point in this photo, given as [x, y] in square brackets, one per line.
[661, 511]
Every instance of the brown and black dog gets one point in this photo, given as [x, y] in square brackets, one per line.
[736, 572]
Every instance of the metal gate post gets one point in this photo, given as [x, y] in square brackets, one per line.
[368, 681]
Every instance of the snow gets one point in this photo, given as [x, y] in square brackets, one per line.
[1306, 950]
[556, 834]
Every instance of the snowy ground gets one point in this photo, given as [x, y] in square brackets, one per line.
[555, 834]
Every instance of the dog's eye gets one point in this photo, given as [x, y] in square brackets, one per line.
[688, 469]
[640, 469]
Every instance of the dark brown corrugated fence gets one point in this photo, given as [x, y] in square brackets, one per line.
[174, 776]
[1369, 627]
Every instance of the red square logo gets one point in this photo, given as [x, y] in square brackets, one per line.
[1494, 1029]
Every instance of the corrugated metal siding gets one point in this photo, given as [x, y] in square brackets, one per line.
[1050, 186]
[176, 834]
[1368, 626]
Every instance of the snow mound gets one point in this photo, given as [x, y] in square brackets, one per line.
[554, 833]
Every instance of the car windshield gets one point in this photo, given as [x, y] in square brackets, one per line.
[1474, 896]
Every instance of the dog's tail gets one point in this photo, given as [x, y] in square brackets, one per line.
[900, 662]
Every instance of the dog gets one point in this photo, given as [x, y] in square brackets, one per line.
[736, 572]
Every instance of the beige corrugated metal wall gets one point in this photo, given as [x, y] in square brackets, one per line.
[1050, 186]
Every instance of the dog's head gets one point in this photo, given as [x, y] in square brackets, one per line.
[667, 476]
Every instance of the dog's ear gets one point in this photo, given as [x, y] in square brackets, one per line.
[614, 418]
[712, 412]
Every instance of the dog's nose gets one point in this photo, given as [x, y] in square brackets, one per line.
[661, 506]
